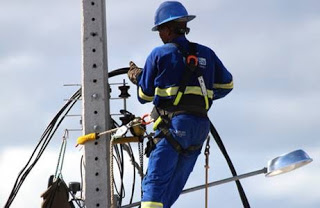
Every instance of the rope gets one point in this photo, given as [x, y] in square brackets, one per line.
[129, 125]
[207, 153]
[111, 174]
[61, 155]
[140, 148]
[112, 143]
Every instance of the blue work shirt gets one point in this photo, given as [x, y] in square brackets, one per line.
[164, 69]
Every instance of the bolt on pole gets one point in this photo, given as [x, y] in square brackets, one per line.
[95, 103]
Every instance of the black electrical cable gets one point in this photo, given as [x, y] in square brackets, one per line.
[114, 181]
[118, 72]
[46, 138]
[119, 161]
[122, 190]
[81, 176]
[222, 148]
[128, 148]
[134, 174]
[119, 158]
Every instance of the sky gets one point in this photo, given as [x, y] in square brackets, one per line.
[270, 47]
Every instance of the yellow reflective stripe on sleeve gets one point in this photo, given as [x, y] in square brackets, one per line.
[224, 86]
[171, 91]
[149, 204]
[144, 96]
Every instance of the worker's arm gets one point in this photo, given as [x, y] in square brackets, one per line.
[134, 73]
[146, 80]
[223, 81]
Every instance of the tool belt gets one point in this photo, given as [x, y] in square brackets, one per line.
[162, 122]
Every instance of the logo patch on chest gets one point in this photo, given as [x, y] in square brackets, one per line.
[180, 133]
[202, 62]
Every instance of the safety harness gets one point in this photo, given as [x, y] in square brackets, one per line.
[162, 117]
[191, 69]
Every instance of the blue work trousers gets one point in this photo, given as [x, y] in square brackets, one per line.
[168, 171]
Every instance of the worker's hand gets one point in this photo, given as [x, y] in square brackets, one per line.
[134, 72]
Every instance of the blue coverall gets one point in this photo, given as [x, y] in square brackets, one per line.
[168, 170]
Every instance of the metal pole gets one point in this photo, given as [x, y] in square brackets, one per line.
[215, 183]
[95, 102]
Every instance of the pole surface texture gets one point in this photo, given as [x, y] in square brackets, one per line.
[95, 103]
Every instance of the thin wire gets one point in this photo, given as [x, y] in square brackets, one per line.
[115, 185]
[120, 160]
[134, 174]
[122, 190]
[41, 146]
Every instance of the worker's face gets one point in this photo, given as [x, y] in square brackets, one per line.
[164, 33]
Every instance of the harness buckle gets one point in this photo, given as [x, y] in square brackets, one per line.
[192, 60]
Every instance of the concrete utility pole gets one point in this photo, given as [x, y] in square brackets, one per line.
[96, 110]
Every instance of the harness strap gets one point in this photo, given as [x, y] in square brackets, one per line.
[191, 68]
[163, 126]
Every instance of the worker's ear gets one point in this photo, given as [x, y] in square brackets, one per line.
[170, 31]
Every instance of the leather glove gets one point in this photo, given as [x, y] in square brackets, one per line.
[134, 72]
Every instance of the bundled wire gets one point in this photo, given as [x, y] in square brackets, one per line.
[42, 145]
[46, 138]
[119, 158]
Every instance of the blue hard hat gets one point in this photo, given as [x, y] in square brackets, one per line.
[171, 10]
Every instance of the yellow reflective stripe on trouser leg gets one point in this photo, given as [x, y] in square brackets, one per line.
[149, 204]
[178, 98]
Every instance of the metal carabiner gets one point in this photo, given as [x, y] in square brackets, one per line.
[147, 115]
[194, 58]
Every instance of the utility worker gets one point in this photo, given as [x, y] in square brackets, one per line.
[181, 79]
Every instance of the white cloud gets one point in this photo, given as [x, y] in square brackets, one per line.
[12, 161]
[299, 186]
[302, 182]
[17, 63]
[271, 49]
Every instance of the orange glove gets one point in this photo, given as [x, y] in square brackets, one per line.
[134, 72]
